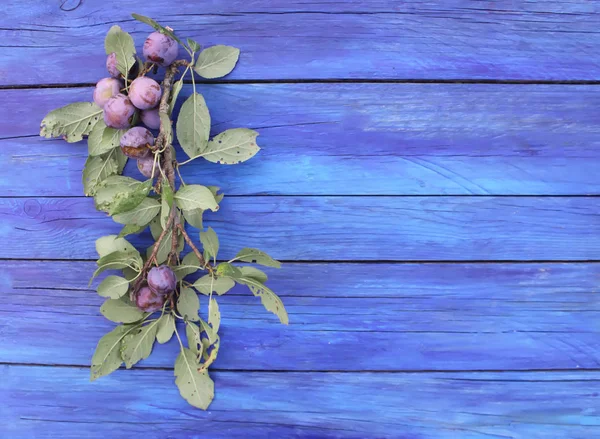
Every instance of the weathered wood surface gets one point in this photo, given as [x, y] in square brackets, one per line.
[44, 402]
[402, 317]
[354, 139]
[335, 228]
[49, 42]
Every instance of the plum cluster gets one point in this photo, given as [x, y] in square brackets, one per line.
[125, 106]
[160, 284]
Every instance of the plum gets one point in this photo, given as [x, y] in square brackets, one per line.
[111, 65]
[162, 280]
[136, 142]
[145, 93]
[151, 119]
[119, 112]
[145, 166]
[148, 300]
[105, 89]
[160, 49]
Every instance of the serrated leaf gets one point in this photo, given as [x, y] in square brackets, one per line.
[120, 311]
[195, 196]
[189, 265]
[188, 304]
[137, 345]
[254, 273]
[193, 125]
[194, 217]
[220, 285]
[216, 61]
[214, 318]
[256, 256]
[72, 121]
[232, 146]
[117, 261]
[106, 245]
[102, 139]
[192, 333]
[227, 269]
[113, 287]
[120, 180]
[166, 328]
[107, 356]
[119, 198]
[131, 229]
[197, 388]
[193, 45]
[177, 86]
[140, 215]
[96, 169]
[149, 21]
[269, 299]
[210, 243]
[121, 43]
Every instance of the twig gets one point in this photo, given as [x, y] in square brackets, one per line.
[195, 250]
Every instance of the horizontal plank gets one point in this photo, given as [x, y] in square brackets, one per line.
[46, 402]
[546, 40]
[402, 316]
[335, 228]
[354, 139]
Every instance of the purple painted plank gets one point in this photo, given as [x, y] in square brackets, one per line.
[403, 317]
[354, 139]
[335, 228]
[46, 402]
[548, 40]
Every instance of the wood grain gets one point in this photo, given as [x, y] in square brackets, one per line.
[354, 139]
[48, 43]
[335, 228]
[46, 402]
[400, 316]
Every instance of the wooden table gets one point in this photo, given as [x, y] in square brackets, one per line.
[429, 174]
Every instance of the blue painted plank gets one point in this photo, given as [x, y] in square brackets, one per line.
[467, 39]
[401, 316]
[44, 402]
[335, 228]
[355, 139]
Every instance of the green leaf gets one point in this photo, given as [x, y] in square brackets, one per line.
[140, 215]
[113, 287]
[107, 356]
[177, 86]
[117, 261]
[226, 269]
[111, 243]
[137, 345]
[197, 388]
[269, 299]
[119, 198]
[193, 125]
[189, 265]
[213, 341]
[192, 333]
[131, 229]
[194, 217]
[163, 30]
[97, 169]
[256, 256]
[120, 311]
[188, 304]
[121, 43]
[220, 285]
[214, 190]
[102, 139]
[121, 159]
[193, 45]
[214, 318]
[232, 146]
[216, 61]
[254, 273]
[165, 247]
[210, 242]
[155, 228]
[195, 196]
[166, 328]
[72, 121]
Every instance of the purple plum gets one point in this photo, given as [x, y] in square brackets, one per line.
[149, 301]
[145, 93]
[105, 89]
[160, 49]
[151, 119]
[162, 280]
[119, 112]
[136, 142]
[111, 65]
[145, 166]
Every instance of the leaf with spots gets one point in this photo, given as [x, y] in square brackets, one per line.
[71, 122]
[214, 317]
[232, 146]
[188, 304]
[107, 356]
[106, 245]
[97, 169]
[269, 299]
[257, 256]
[197, 388]
[137, 345]
[194, 340]
[119, 198]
